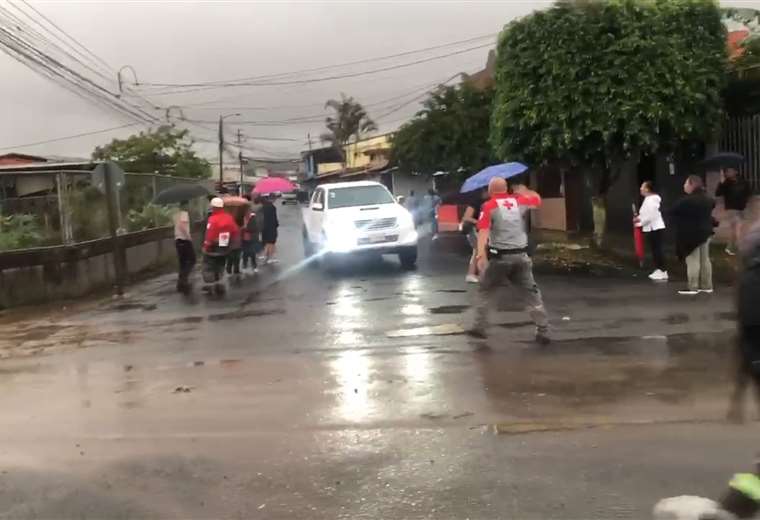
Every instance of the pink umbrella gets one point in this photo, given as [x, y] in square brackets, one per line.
[273, 185]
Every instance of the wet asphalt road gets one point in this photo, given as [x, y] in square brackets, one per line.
[307, 394]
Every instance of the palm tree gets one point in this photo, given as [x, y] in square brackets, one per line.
[349, 121]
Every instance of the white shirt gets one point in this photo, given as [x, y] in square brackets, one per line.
[650, 218]
[182, 226]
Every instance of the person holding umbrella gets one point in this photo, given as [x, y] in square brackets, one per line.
[183, 242]
[652, 224]
[269, 230]
[736, 193]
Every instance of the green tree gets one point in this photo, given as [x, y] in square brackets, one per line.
[165, 150]
[595, 83]
[350, 120]
[450, 133]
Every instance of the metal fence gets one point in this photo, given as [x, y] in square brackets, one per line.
[742, 135]
[64, 207]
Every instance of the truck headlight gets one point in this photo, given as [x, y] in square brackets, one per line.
[406, 220]
[341, 236]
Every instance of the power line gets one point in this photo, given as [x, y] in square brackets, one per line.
[98, 61]
[44, 64]
[67, 35]
[380, 102]
[195, 87]
[68, 137]
[325, 67]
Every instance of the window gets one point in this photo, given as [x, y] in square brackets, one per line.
[359, 196]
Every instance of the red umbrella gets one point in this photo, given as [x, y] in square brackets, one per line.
[273, 185]
[638, 239]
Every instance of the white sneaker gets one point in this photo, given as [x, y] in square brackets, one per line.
[659, 276]
[471, 278]
[688, 292]
[255, 270]
[706, 291]
[730, 252]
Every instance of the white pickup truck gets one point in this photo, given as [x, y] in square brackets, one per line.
[358, 217]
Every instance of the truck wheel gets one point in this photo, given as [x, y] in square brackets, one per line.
[408, 258]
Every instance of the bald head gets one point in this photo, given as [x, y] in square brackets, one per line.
[497, 185]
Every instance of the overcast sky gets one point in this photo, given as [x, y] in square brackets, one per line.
[187, 42]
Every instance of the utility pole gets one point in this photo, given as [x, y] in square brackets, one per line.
[240, 158]
[310, 166]
[221, 151]
[221, 147]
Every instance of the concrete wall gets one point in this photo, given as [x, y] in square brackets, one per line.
[56, 273]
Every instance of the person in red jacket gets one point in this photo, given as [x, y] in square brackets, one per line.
[222, 232]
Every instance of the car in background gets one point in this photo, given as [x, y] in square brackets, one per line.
[352, 218]
[290, 197]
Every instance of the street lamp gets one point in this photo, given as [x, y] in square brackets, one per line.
[221, 146]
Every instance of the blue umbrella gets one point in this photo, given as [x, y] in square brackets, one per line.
[483, 177]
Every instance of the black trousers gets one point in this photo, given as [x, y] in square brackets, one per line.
[655, 244]
[233, 262]
[249, 253]
[186, 259]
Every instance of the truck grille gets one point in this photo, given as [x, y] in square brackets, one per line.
[376, 224]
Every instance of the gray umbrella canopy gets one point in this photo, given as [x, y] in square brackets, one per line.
[723, 160]
[180, 192]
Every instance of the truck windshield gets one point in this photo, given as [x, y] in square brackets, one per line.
[358, 196]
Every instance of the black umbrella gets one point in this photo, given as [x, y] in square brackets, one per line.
[180, 192]
[723, 160]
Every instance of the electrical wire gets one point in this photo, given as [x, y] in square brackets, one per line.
[191, 87]
[76, 42]
[95, 59]
[325, 67]
[68, 137]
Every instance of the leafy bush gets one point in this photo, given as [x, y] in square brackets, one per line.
[20, 231]
[150, 216]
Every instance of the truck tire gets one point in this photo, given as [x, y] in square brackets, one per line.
[408, 258]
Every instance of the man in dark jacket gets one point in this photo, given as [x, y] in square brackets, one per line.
[736, 193]
[692, 216]
[749, 321]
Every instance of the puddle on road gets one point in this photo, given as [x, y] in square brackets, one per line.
[585, 373]
[131, 306]
[449, 309]
[36, 333]
[676, 319]
[516, 324]
[236, 315]
[445, 329]
[451, 291]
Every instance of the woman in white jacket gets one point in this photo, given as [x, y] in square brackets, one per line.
[651, 223]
